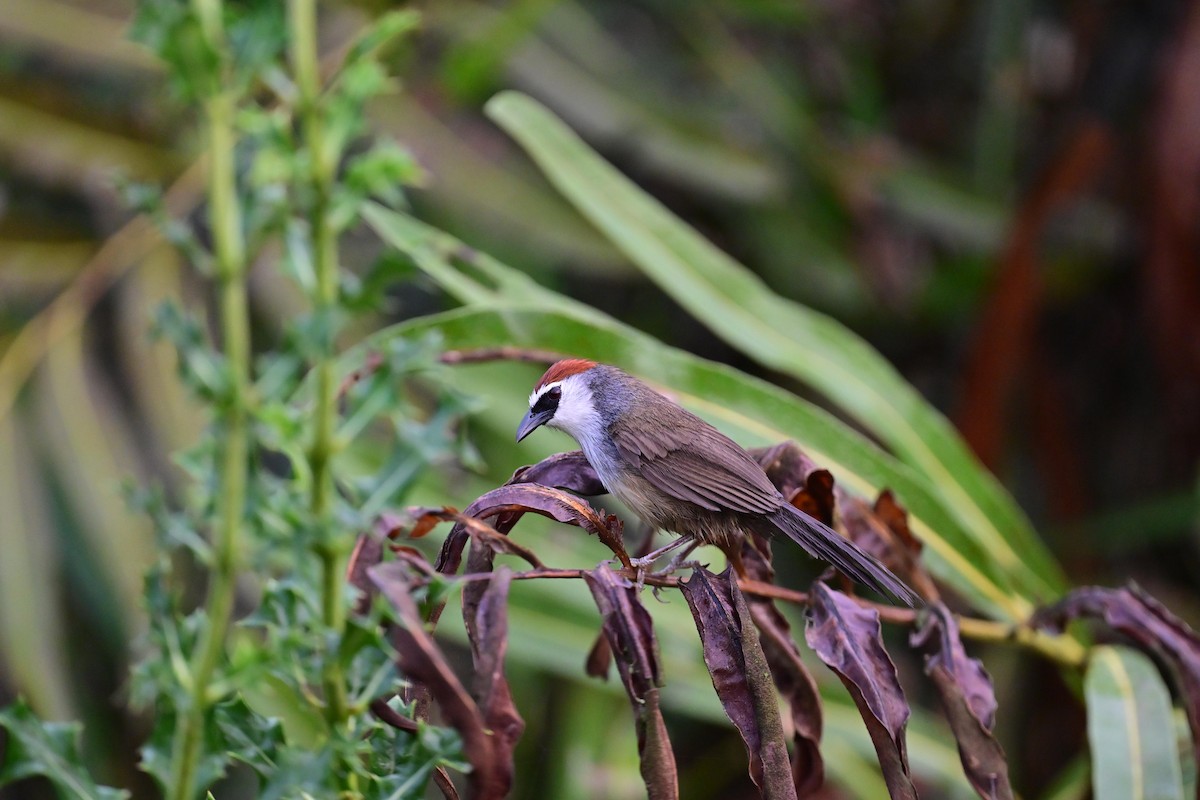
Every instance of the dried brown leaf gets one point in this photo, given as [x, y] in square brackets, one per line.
[846, 636]
[489, 642]
[477, 529]
[816, 498]
[797, 685]
[419, 658]
[880, 529]
[741, 677]
[599, 658]
[967, 696]
[806, 485]
[792, 678]
[517, 499]
[786, 465]
[569, 471]
[630, 633]
[368, 551]
[899, 552]
[895, 517]
[385, 713]
[441, 779]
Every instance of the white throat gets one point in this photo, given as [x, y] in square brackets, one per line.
[576, 414]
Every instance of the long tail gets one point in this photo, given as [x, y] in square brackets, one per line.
[821, 541]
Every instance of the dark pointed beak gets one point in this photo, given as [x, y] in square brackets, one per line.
[532, 422]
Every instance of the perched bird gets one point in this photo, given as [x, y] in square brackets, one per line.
[679, 473]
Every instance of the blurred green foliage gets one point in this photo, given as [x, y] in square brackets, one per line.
[875, 163]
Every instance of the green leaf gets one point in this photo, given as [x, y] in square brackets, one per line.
[50, 749]
[89, 444]
[1130, 728]
[783, 335]
[1073, 782]
[404, 773]
[33, 627]
[378, 35]
[275, 698]
[752, 411]
[156, 752]
[250, 738]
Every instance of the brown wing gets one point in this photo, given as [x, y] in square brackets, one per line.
[689, 459]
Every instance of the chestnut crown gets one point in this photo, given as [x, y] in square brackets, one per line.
[562, 399]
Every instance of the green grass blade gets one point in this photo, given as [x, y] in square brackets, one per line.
[785, 336]
[1130, 728]
[33, 628]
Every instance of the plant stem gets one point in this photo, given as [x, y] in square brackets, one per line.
[1057, 647]
[332, 549]
[224, 215]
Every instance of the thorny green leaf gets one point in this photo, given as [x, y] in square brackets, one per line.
[49, 749]
[378, 35]
[273, 697]
[201, 369]
[156, 752]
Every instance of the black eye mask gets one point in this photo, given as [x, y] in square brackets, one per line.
[541, 413]
[548, 401]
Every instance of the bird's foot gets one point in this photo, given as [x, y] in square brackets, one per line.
[648, 560]
[633, 572]
[643, 568]
[680, 560]
[642, 564]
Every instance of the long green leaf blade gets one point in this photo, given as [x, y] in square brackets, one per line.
[752, 411]
[1130, 728]
[33, 628]
[785, 336]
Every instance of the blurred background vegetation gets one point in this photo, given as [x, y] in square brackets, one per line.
[1002, 196]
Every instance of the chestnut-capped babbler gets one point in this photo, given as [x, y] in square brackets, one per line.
[679, 473]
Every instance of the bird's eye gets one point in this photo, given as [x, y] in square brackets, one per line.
[548, 401]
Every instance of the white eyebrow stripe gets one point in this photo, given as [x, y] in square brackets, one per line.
[536, 393]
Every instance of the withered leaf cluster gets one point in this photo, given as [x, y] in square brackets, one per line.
[748, 646]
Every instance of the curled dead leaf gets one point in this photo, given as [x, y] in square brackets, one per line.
[966, 693]
[630, 634]
[1134, 613]
[515, 500]
[488, 636]
[741, 677]
[846, 636]
[420, 658]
